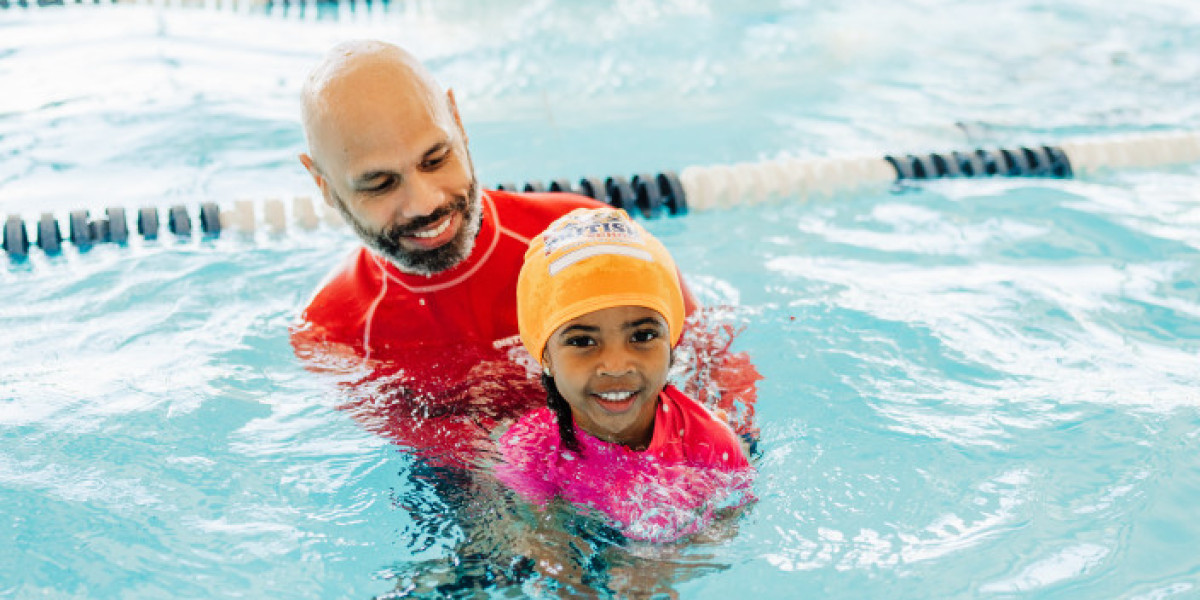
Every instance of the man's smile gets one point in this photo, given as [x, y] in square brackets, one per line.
[436, 234]
[433, 231]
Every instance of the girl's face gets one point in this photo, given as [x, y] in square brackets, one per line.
[610, 365]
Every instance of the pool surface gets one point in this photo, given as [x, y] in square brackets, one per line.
[972, 388]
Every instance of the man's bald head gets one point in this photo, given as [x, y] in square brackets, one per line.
[358, 72]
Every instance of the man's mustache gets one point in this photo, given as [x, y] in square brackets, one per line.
[459, 204]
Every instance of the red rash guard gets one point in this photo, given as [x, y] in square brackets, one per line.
[381, 314]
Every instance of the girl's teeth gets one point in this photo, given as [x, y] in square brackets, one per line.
[615, 396]
[435, 231]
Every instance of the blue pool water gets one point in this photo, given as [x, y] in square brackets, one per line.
[973, 389]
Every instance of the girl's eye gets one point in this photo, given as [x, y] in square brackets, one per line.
[579, 341]
[645, 335]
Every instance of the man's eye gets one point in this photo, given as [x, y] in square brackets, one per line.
[433, 163]
[645, 335]
[384, 183]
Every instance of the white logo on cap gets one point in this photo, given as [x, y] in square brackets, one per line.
[575, 256]
[605, 227]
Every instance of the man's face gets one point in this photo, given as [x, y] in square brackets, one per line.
[393, 160]
[427, 244]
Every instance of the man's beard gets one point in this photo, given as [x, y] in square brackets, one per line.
[387, 244]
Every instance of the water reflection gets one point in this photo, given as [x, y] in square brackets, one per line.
[505, 545]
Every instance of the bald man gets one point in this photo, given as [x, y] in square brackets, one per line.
[387, 150]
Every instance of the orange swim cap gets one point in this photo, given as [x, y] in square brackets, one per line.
[588, 260]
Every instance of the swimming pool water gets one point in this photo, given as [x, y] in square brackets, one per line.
[972, 388]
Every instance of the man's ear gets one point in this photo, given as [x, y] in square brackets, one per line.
[318, 178]
[454, 111]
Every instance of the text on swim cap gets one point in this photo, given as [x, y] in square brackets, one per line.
[607, 227]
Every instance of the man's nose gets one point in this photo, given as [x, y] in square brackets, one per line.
[422, 198]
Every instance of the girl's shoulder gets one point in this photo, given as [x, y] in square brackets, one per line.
[527, 457]
[699, 435]
[537, 429]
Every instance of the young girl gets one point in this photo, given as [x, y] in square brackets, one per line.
[599, 307]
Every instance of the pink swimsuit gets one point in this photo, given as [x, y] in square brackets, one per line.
[693, 467]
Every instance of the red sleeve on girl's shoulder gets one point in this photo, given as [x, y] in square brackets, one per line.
[707, 441]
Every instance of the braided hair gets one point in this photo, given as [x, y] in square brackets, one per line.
[562, 413]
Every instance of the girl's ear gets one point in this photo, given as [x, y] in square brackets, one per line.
[546, 367]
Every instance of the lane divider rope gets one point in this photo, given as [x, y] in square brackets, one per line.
[649, 195]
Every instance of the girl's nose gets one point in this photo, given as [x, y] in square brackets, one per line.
[615, 362]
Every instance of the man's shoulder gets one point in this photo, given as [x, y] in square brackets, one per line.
[531, 212]
[345, 286]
